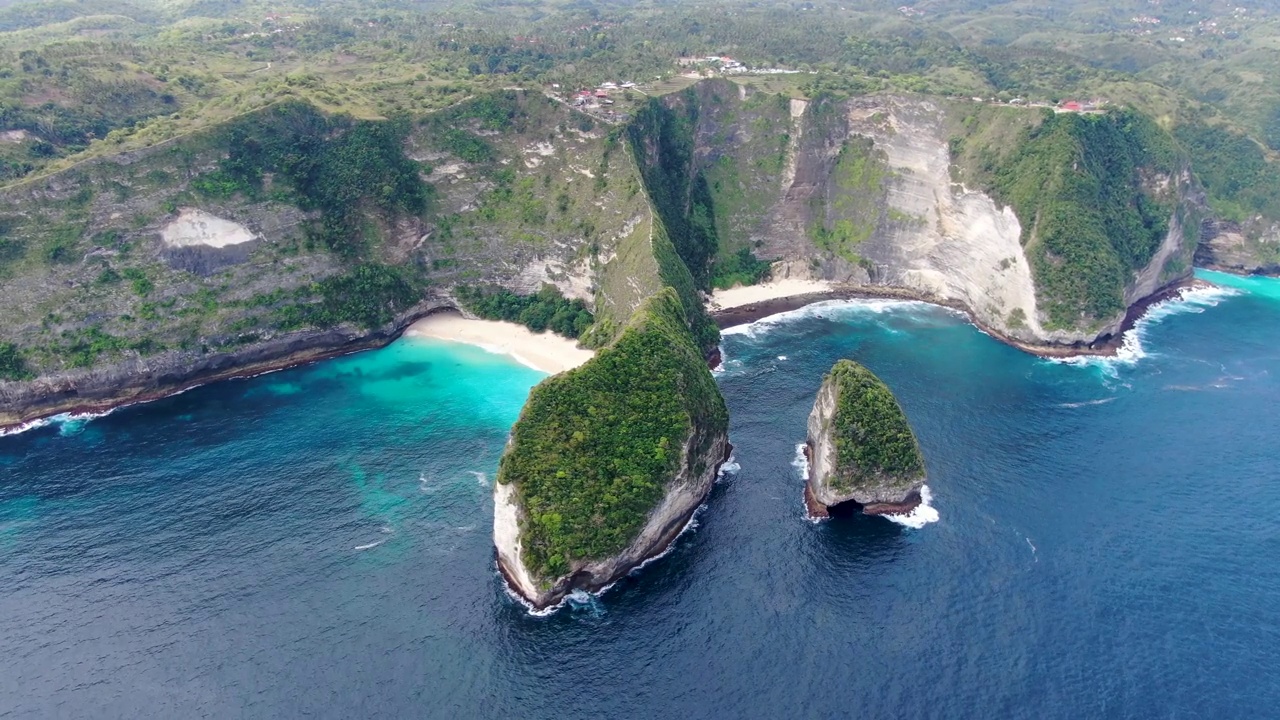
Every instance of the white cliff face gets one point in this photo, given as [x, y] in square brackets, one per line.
[822, 446]
[506, 538]
[685, 493]
[938, 237]
[194, 227]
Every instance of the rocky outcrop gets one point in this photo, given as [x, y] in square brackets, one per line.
[103, 387]
[686, 492]
[861, 451]
[1250, 249]
[609, 461]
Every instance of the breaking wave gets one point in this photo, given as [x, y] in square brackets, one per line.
[68, 423]
[1087, 403]
[800, 462]
[728, 469]
[1189, 301]
[830, 309]
[922, 515]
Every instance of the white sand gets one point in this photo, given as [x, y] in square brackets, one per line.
[772, 290]
[546, 351]
[197, 227]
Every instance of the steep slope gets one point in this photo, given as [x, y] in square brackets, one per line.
[610, 460]
[289, 234]
[957, 202]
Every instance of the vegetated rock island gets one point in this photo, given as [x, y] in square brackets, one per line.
[862, 453]
[609, 461]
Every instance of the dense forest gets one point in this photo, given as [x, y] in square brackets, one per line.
[596, 446]
[547, 309]
[873, 439]
[1076, 175]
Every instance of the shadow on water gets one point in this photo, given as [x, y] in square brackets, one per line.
[856, 542]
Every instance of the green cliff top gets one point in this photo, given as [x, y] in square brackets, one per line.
[595, 447]
[873, 439]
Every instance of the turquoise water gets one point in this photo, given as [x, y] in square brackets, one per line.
[316, 542]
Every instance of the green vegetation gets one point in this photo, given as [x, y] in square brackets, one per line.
[661, 136]
[1077, 183]
[12, 365]
[741, 268]
[873, 439]
[595, 447]
[547, 310]
[370, 295]
[847, 216]
[1234, 169]
[339, 166]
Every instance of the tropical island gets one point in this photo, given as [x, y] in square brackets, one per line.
[200, 191]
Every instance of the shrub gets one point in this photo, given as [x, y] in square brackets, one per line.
[547, 310]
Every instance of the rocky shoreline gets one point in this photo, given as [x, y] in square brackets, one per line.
[815, 510]
[99, 390]
[1106, 346]
[667, 523]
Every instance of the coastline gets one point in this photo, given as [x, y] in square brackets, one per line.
[774, 300]
[145, 380]
[545, 352]
[102, 390]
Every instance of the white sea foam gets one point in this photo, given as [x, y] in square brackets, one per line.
[800, 462]
[728, 469]
[1189, 300]
[834, 309]
[1086, 403]
[69, 423]
[782, 357]
[480, 477]
[922, 515]
[370, 546]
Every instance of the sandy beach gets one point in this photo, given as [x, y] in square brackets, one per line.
[546, 351]
[772, 290]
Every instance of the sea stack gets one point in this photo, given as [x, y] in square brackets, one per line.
[862, 454]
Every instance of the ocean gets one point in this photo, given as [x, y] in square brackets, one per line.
[1100, 541]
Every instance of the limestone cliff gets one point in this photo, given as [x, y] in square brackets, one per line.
[928, 195]
[1250, 248]
[861, 449]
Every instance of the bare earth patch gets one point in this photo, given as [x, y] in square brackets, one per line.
[196, 227]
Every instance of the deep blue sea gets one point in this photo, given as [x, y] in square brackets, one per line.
[316, 542]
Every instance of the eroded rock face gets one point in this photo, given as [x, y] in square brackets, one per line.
[1232, 247]
[685, 494]
[860, 447]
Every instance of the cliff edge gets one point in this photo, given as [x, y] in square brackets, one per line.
[609, 461]
[861, 449]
